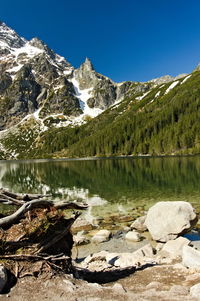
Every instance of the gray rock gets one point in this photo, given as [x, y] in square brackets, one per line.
[3, 277]
[138, 224]
[167, 220]
[195, 290]
[190, 257]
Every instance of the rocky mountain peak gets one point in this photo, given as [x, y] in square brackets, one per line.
[9, 38]
[87, 65]
[36, 42]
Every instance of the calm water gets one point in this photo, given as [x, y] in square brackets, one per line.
[110, 184]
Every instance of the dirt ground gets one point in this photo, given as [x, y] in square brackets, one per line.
[157, 283]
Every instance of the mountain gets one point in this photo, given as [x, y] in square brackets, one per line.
[50, 109]
[35, 80]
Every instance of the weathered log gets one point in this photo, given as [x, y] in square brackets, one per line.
[9, 220]
[20, 197]
[67, 205]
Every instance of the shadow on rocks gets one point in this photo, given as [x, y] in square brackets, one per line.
[12, 280]
[102, 277]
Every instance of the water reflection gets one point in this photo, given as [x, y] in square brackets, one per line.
[115, 181]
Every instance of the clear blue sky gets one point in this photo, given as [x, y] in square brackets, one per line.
[125, 39]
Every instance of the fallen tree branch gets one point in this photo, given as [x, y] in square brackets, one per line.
[34, 257]
[10, 219]
[10, 199]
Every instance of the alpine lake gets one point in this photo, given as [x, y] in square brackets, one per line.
[117, 190]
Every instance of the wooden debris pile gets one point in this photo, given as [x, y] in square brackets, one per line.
[36, 237]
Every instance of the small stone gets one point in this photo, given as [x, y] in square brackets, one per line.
[146, 251]
[81, 225]
[138, 224]
[119, 288]
[80, 240]
[195, 290]
[101, 236]
[154, 284]
[133, 236]
[95, 285]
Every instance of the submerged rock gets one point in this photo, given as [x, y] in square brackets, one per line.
[81, 225]
[167, 220]
[101, 236]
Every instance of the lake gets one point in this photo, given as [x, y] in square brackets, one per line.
[110, 186]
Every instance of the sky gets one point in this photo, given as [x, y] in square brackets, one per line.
[135, 40]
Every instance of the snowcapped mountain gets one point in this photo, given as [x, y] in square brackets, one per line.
[44, 101]
[37, 82]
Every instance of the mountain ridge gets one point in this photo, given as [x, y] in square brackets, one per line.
[42, 94]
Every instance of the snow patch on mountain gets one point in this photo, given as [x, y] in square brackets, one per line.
[186, 78]
[143, 96]
[157, 94]
[171, 86]
[83, 96]
[27, 49]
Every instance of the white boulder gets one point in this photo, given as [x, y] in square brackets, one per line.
[174, 247]
[190, 257]
[167, 220]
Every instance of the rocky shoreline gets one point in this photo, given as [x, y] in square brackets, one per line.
[157, 257]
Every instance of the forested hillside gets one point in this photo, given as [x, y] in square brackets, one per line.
[165, 121]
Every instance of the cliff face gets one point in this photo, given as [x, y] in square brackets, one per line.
[33, 78]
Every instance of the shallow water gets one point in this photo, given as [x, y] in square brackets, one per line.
[114, 186]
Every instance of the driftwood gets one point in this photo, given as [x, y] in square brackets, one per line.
[8, 220]
[19, 196]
